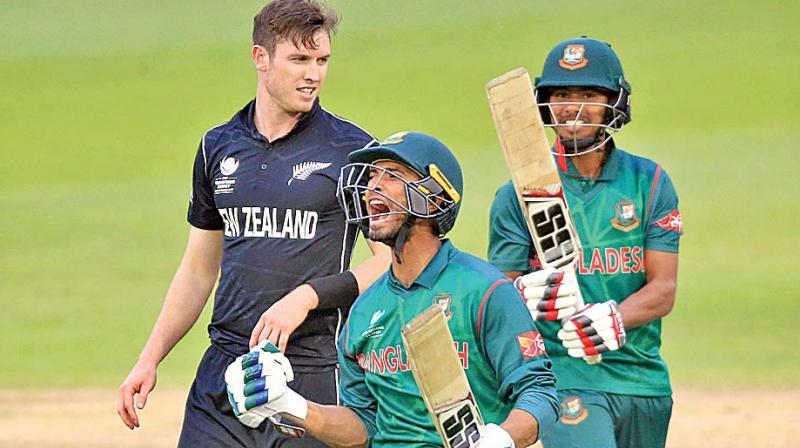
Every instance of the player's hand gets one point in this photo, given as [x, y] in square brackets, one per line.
[135, 389]
[284, 316]
[495, 437]
[257, 389]
[595, 329]
[549, 294]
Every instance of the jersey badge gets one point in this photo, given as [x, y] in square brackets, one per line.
[625, 216]
[574, 57]
[374, 329]
[531, 344]
[228, 166]
[444, 300]
[672, 221]
[572, 411]
[303, 170]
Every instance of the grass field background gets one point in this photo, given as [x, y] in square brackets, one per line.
[104, 102]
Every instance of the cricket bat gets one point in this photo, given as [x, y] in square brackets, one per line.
[534, 173]
[441, 379]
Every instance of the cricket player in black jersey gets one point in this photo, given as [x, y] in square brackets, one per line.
[265, 220]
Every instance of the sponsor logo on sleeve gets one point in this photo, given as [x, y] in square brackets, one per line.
[672, 221]
[531, 344]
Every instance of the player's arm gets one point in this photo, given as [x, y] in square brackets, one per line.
[656, 299]
[523, 368]
[257, 389]
[185, 299]
[335, 291]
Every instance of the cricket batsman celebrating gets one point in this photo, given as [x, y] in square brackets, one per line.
[406, 193]
[626, 213]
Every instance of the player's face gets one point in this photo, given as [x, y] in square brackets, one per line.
[385, 226]
[294, 75]
[574, 108]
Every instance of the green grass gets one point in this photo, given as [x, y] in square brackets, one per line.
[104, 102]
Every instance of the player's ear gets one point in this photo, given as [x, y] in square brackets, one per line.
[260, 58]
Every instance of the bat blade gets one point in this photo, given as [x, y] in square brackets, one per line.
[441, 379]
[534, 173]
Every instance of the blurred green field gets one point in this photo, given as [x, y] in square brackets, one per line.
[103, 104]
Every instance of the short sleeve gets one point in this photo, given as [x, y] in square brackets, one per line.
[353, 390]
[202, 212]
[665, 225]
[509, 240]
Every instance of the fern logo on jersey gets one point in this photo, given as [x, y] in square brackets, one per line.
[303, 170]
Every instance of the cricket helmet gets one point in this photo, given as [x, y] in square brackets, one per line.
[585, 62]
[436, 195]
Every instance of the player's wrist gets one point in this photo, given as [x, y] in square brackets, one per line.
[335, 291]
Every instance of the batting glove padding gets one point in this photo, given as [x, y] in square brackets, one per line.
[257, 389]
[494, 436]
[595, 329]
[548, 294]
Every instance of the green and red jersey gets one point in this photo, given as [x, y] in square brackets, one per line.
[498, 344]
[629, 208]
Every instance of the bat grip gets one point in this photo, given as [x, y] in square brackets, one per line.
[569, 275]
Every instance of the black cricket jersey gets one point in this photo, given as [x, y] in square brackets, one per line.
[276, 205]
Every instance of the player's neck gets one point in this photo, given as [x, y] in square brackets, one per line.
[272, 121]
[418, 251]
[590, 164]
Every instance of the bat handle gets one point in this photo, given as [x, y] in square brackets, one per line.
[569, 275]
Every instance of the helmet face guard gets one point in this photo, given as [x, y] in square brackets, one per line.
[616, 116]
[431, 197]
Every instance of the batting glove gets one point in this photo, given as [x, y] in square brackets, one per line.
[494, 436]
[257, 389]
[595, 329]
[548, 294]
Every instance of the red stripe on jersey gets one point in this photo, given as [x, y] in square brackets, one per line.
[652, 192]
[562, 161]
[486, 297]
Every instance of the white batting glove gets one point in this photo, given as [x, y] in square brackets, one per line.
[548, 294]
[494, 436]
[257, 389]
[595, 329]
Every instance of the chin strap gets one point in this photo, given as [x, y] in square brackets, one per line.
[402, 236]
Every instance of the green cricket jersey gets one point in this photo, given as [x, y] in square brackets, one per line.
[629, 208]
[499, 346]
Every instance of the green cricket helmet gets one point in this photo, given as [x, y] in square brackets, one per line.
[585, 62]
[436, 195]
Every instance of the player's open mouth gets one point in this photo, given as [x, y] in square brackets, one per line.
[378, 207]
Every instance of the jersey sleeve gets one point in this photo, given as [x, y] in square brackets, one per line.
[664, 226]
[509, 240]
[353, 390]
[202, 212]
[516, 350]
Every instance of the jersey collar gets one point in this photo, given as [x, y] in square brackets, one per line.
[609, 170]
[246, 118]
[428, 277]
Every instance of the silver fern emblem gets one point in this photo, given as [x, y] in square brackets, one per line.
[301, 171]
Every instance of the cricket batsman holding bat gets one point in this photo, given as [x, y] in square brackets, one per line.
[626, 213]
[406, 193]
